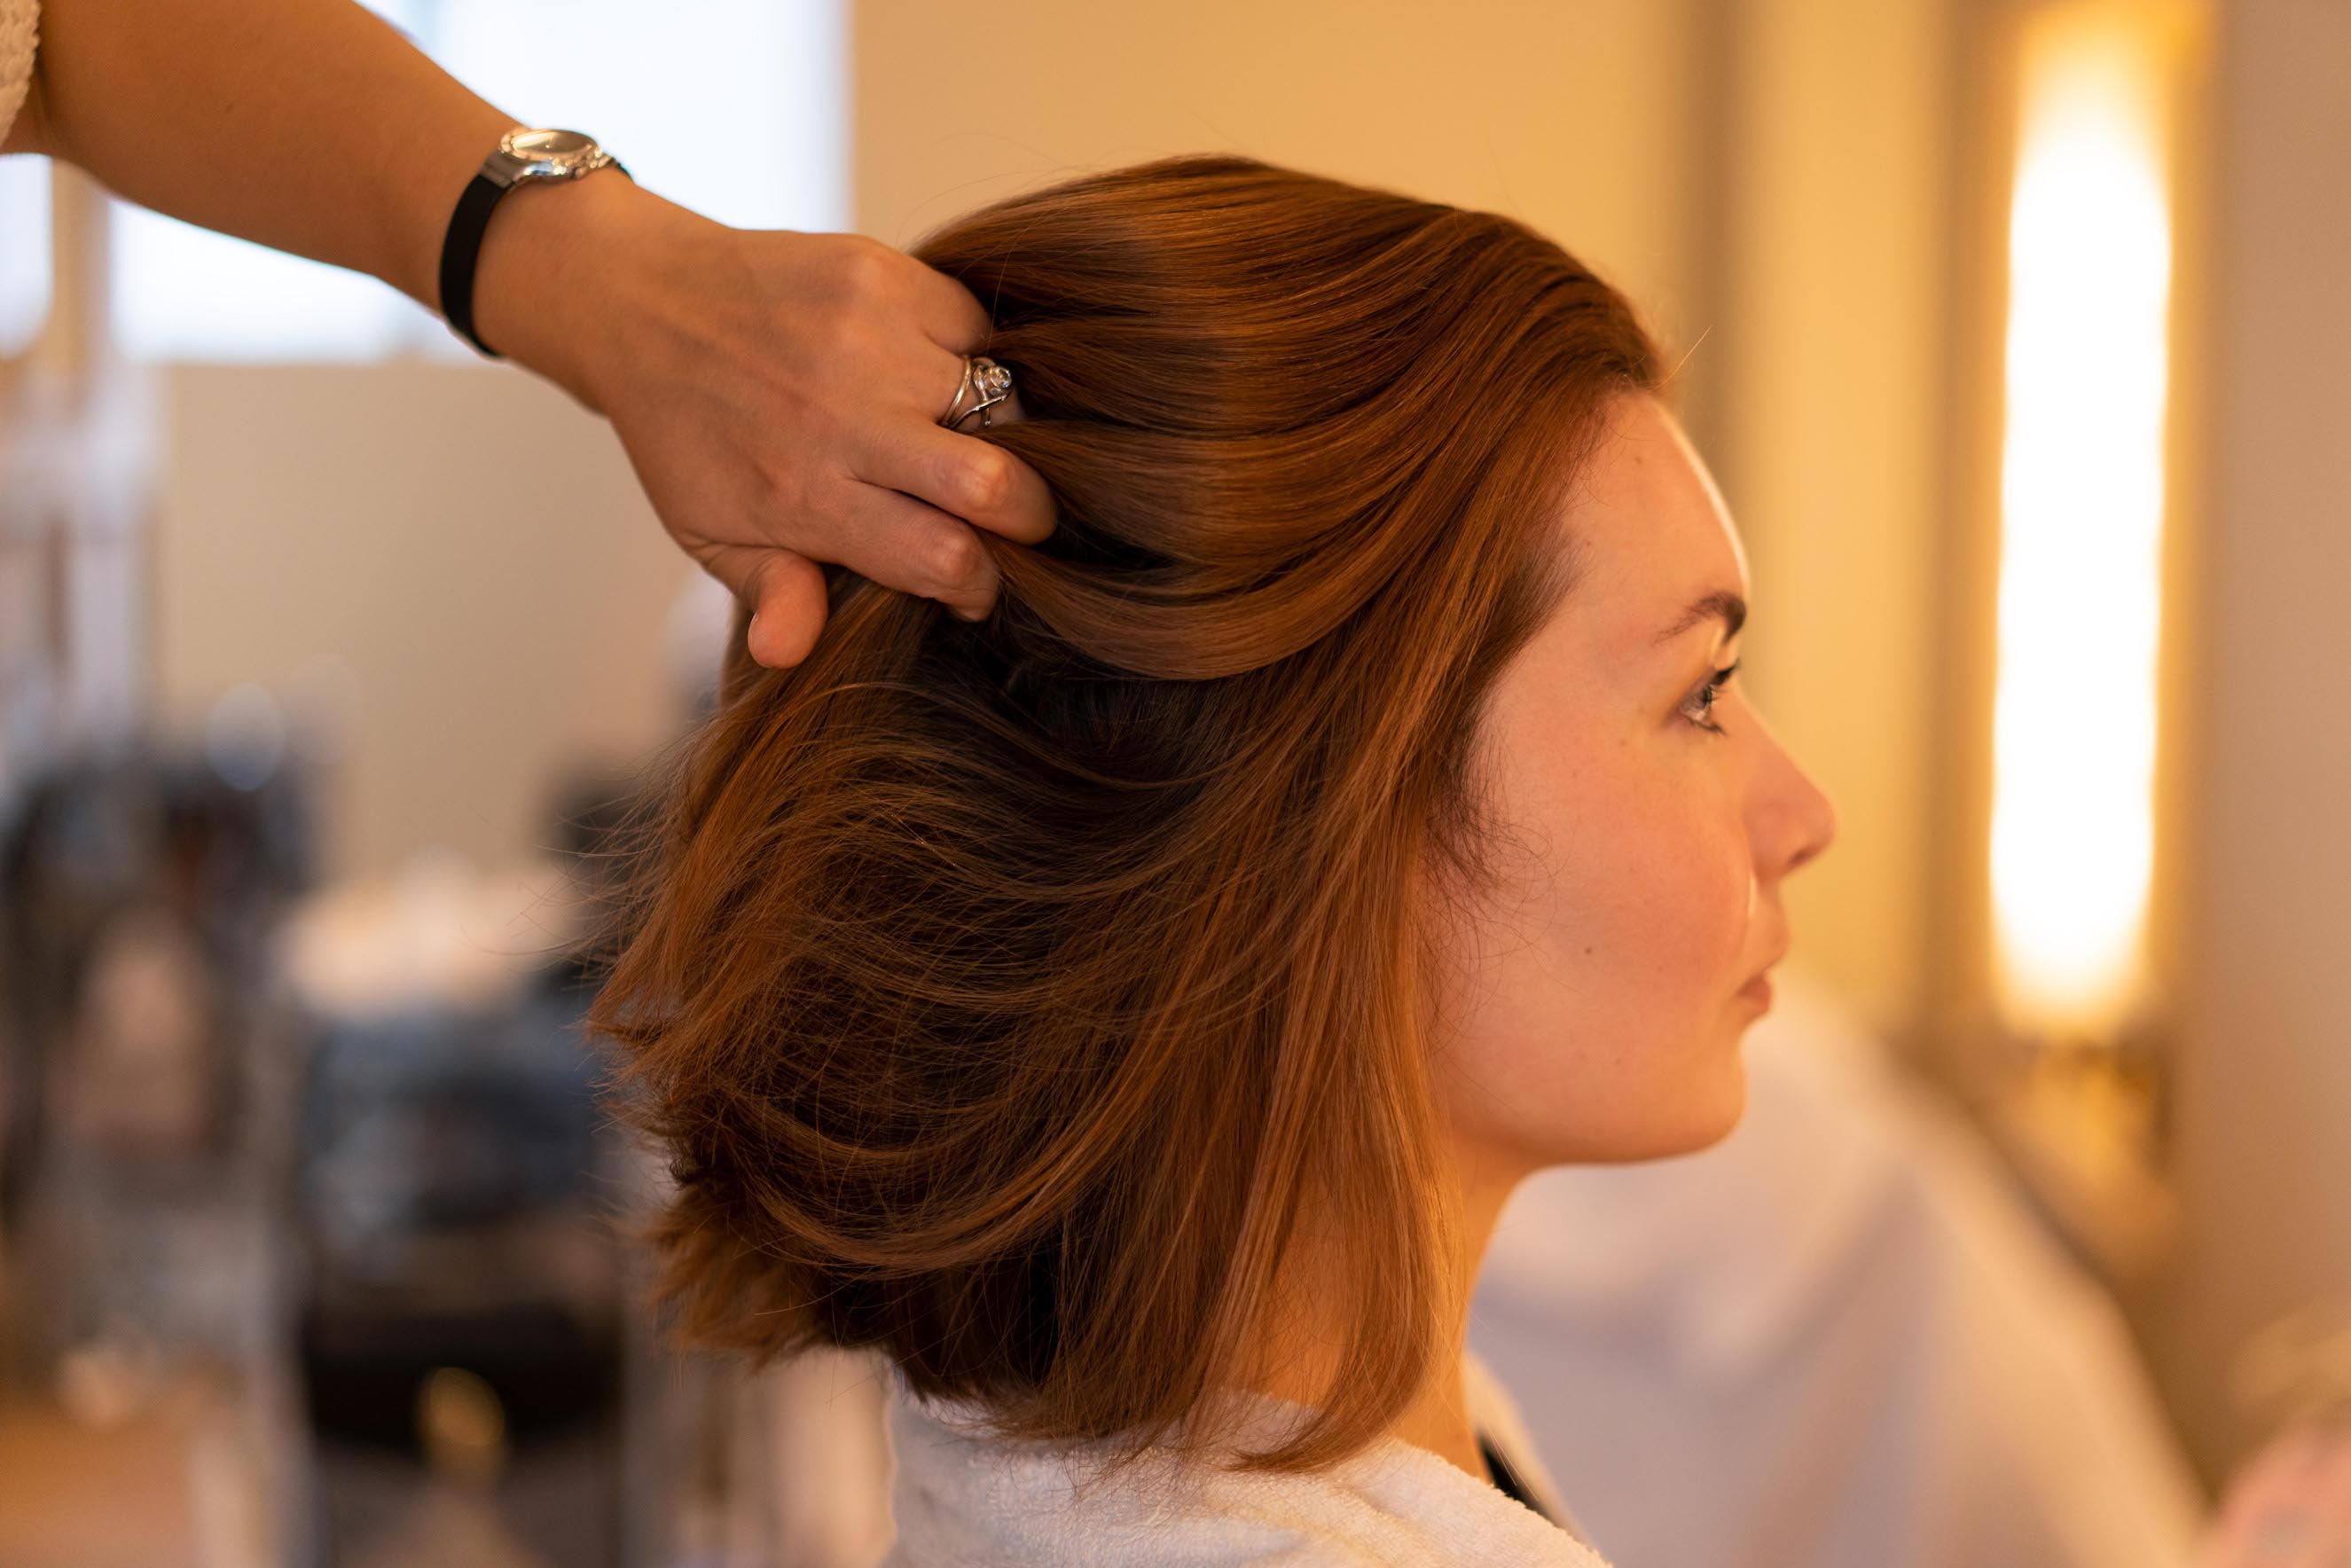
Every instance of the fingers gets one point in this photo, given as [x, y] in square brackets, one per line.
[964, 476]
[956, 473]
[915, 547]
[953, 471]
[893, 539]
[946, 310]
[945, 371]
[820, 442]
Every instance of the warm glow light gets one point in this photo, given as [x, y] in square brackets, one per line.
[2082, 501]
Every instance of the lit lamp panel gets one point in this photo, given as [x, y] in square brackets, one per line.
[2072, 832]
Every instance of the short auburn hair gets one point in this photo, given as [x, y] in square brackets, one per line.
[1005, 993]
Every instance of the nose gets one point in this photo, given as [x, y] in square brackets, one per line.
[1792, 820]
[1816, 821]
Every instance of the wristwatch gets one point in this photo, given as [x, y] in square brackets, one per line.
[523, 154]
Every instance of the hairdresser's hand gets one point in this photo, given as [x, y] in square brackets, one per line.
[778, 394]
[2289, 1507]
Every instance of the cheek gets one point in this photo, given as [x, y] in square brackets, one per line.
[1647, 901]
[1594, 1016]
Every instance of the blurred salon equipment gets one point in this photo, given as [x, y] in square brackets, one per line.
[311, 1235]
[310, 1241]
[145, 1078]
[461, 1302]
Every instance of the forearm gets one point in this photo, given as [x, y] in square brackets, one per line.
[309, 126]
[777, 391]
[314, 126]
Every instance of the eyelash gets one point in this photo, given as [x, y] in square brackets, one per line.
[1711, 692]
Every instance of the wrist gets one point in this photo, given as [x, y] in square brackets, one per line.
[564, 266]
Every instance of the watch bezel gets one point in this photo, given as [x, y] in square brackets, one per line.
[516, 162]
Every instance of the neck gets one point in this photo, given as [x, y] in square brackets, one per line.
[1438, 1418]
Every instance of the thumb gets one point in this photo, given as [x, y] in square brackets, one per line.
[786, 592]
[788, 599]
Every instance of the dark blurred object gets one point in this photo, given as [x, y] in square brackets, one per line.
[144, 1062]
[139, 889]
[452, 1205]
[456, 1187]
[339, 1153]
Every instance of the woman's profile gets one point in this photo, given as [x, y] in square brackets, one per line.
[1127, 1014]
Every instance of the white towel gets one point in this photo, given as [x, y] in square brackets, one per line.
[964, 1499]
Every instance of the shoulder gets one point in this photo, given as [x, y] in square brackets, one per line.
[960, 1496]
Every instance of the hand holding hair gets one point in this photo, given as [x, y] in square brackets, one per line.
[778, 392]
[779, 395]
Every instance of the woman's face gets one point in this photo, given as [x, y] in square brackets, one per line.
[1595, 1006]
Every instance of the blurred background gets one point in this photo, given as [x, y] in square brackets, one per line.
[2012, 328]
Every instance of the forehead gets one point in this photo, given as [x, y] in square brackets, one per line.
[1653, 535]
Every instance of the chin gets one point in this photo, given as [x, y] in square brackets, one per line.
[1723, 1119]
[1684, 1120]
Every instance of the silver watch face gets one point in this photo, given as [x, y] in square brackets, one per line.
[551, 154]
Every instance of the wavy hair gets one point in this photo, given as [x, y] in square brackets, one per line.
[1017, 997]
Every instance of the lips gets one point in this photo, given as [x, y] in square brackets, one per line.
[1759, 983]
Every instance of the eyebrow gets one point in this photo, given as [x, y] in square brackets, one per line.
[1723, 604]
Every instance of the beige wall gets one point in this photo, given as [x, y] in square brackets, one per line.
[1573, 117]
[1831, 424]
[2265, 1160]
[469, 543]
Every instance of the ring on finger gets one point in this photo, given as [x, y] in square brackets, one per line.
[987, 382]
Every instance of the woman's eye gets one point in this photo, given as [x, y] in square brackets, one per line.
[1704, 698]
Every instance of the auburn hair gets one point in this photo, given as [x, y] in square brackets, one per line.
[1015, 996]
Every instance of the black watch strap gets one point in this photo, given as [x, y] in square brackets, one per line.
[460, 248]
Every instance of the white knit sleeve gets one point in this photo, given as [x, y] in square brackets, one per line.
[20, 30]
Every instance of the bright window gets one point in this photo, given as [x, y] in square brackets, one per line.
[735, 107]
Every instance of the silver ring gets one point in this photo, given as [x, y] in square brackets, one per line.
[985, 380]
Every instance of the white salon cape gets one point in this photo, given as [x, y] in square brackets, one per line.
[961, 1498]
[1836, 1339]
